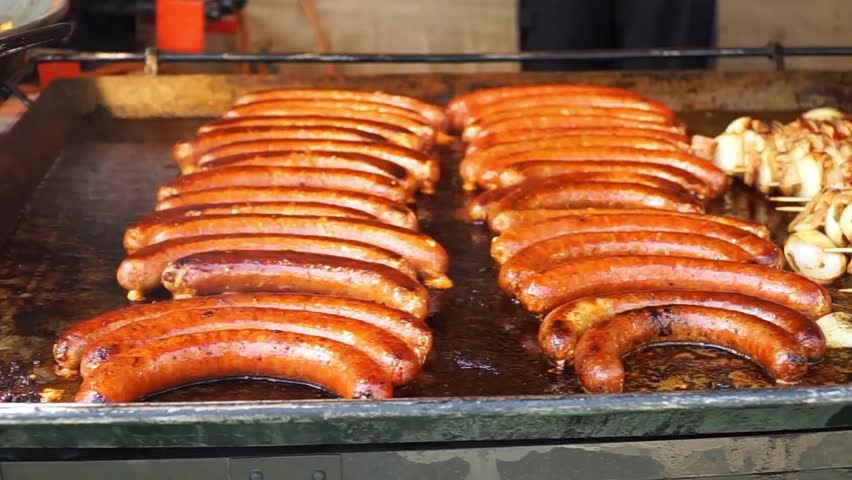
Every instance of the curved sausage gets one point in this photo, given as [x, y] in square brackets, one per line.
[710, 174]
[514, 240]
[433, 113]
[141, 272]
[492, 202]
[240, 271]
[537, 170]
[187, 359]
[548, 253]
[389, 352]
[257, 176]
[394, 133]
[473, 165]
[186, 152]
[315, 159]
[591, 276]
[420, 165]
[630, 114]
[288, 108]
[464, 108]
[551, 193]
[597, 361]
[69, 346]
[515, 219]
[423, 252]
[485, 140]
[561, 329]
[387, 211]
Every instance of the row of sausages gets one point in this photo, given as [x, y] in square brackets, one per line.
[288, 248]
[598, 203]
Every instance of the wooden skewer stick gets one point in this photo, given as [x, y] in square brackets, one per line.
[789, 199]
[844, 290]
[735, 171]
[790, 209]
[772, 184]
[838, 250]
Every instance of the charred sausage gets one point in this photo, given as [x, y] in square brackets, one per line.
[186, 359]
[515, 219]
[257, 176]
[562, 328]
[551, 252]
[70, 345]
[597, 361]
[485, 140]
[385, 210]
[591, 276]
[389, 352]
[423, 252]
[514, 240]
[141, 272]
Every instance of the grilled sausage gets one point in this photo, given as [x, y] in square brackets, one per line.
[553, 193]
[562, 328]
[462, 108]
[537, 170]
[590, 276]
[385, 210]
[210, 273]
[499, 199]
[186, 152]
[473, 165]
[423, 252]
[512, 241]
[315, 159]
[393, 133]
[389, 352]
[70, 345]
[141, 272]
[288, 108]
[267, 208]
[515, 219]
[187, 359]
[420, 166]
[597, 361]
[485, 140]
[548, 253]
[256, 176]
[630, 114]
[433, 113]
[716, 179]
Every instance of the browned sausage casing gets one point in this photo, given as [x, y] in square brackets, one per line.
[385, 210]
[514, 240]
[393, 133]
[257, 176]
[266, 208]
[433, 113]
[584, 277]
[142, 271]
[187, 359]
[210, 273]
[187, 151]
[424, 253]
[541, 169]
[597, 361]
[562, 328]
[388, 351]
[526, 132]
[715, 179]
[516, 219]
[419, 165]
[412, 330]
[316, 159]
[552, 193]
[551, 252]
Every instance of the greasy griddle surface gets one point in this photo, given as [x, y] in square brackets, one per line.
[60, 265]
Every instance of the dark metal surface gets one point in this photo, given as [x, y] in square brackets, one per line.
[106, 144]
[774, 51]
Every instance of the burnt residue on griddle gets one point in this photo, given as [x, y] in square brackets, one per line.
[17, 383]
